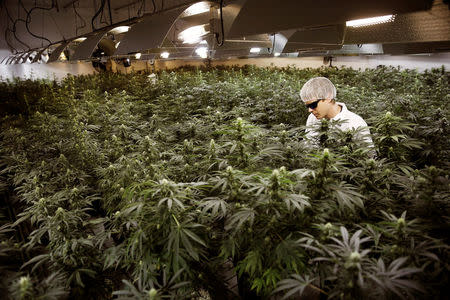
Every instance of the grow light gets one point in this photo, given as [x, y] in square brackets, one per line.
[79, 39]
[202, 52]
[62, 56]
[120, 29]
[255, 50]
[138, 55]
[370, 21]
[117, 45]
[45, 57]
[165, 54]
[277, 54]
[193, 34]
[197, 8]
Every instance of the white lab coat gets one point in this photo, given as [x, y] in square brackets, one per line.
[350, 121]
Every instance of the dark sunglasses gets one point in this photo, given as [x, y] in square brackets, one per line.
[314, 104]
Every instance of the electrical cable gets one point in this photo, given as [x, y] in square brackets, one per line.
[102, 5]
[14, 27]
[77, 15]
[13, 49]
[154, 6]
[141, 8]
[221, 25]
[102, 19]
[273, 45]
[110, 15]
[28, 21]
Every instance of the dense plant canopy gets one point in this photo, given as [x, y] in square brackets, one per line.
[137, 187]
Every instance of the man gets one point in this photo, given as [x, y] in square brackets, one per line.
[319, 95]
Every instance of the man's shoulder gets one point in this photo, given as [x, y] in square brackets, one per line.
[355, 119]
[311, 119]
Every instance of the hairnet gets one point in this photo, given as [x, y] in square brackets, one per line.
[318, 88]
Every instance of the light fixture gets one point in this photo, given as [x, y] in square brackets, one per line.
[197, 8]
[255, 50]
[193, 34]
[165, 54]
[370, 21]
[120, 29]
[138, 55]
[202, 52]
[203, 42]
[126, 62]
[277, 54]
[117, 44]
[62, 56]
[45, 57]
[79, 39]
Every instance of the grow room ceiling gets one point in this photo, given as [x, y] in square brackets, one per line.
[51, 30]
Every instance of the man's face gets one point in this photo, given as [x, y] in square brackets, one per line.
[321, 110]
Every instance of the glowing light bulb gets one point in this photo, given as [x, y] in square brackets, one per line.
[197, 8]
[193, 34]
[370, 21]
[202, 52]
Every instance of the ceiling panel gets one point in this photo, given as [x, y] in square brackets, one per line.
[427, 26]
[266, 16]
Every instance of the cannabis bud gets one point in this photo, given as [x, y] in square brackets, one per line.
[401, 223]
[152, 293]
[326, 153]
[275, 173]
[328, 226]
[24, 284]
[353, 259]
[388, 114]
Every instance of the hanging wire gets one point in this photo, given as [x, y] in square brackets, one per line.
[273, 44]
[221, 26]
[100, 10]
[102, 18]
[154, 6]
[28, 20]
[77, 15]
[109, 10]
[13, 50]
[141, 8]
[14, 29]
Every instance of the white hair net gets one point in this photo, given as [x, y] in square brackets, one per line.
[318, 88]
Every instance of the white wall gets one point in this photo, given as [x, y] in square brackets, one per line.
[55, 70]
[59, 70]
[420, 62]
